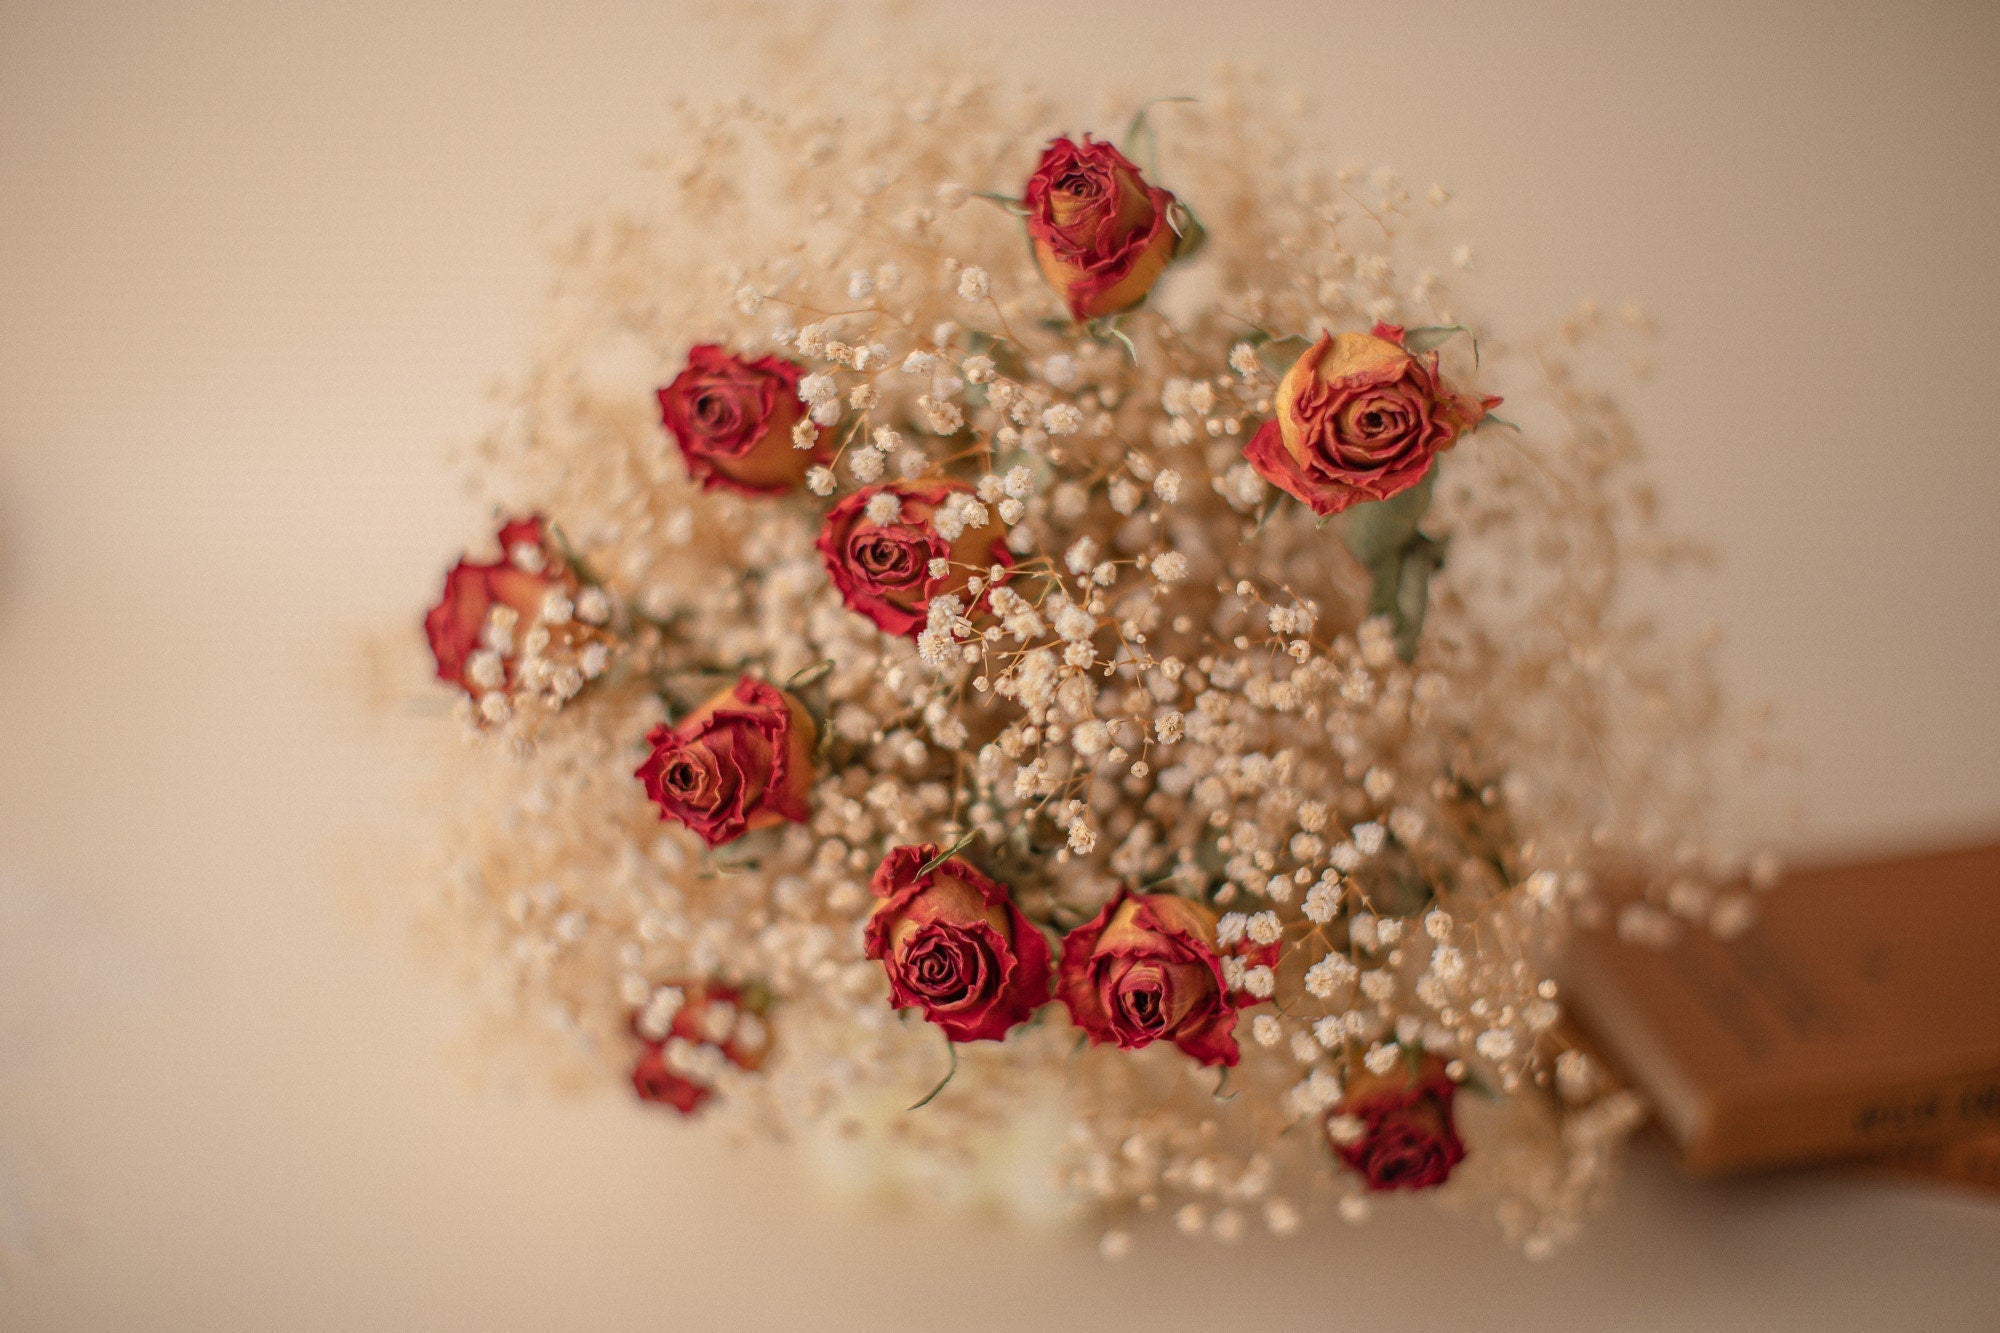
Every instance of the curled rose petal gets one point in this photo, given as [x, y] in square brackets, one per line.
[740, 762]
[1408, 1140]
[1145, 969]
[953, 944]
[1358, 417]
[713, 1023]
[883, 570]
[517, 583]
[733, 420]
[1101, 234]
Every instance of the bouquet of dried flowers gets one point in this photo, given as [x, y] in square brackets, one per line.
[994, 619]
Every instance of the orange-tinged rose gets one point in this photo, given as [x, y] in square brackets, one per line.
[1145, 969]
[713, 1024]
[473, 650]
[1102, 235]
[1407, 1140]
[733, 420]
[954, 945]
[883, 569]
[741, 762]
[1359, 417]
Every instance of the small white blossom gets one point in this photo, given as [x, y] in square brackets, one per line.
[866, 463]
[1062, 419]
[592, 606]
[1074, 623]
[1329, 974]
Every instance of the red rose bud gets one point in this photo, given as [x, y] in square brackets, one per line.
[1145, 969]
[741, 761]
[1359, 418]
[497, 616]
[686, 1034]
[879, 544]
[1102, 235]
[1396, 1127]
[733, 421]
[954, 945]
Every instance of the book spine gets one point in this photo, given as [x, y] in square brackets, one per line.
[1973, 1161]
[1823, 1124]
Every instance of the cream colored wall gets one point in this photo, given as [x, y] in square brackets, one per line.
[257, 263]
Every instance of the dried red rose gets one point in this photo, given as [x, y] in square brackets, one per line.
[680, 1054]
[741, 761]
[1102, 235]
[882, 566]
[475, 629]
[1406, 1140]
[1359, 417]
[954, 945]
[733, 421]
[1145, 969]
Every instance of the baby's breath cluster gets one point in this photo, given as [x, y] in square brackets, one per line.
[1016, 576]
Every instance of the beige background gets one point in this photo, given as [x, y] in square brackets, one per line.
[257, 264]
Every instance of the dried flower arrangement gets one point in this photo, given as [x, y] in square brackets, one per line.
[988, 619]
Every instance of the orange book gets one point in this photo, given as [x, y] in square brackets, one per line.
[1859, 1013]
[1973, 1161]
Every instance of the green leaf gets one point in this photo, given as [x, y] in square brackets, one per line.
[1413, 595]
[949, 852]
[1006, 201]
[1187, 227]
[1278, 354]
[1141, 144]
[1430, 337]
[1490, 420]
[808, 676]
[575, 561]
[1384, 536]
[1120, 335]
[951, 1073]
[1377, 530]
[1401, 590]
[756, 997]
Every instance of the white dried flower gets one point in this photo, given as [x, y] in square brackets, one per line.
[1062, 419]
